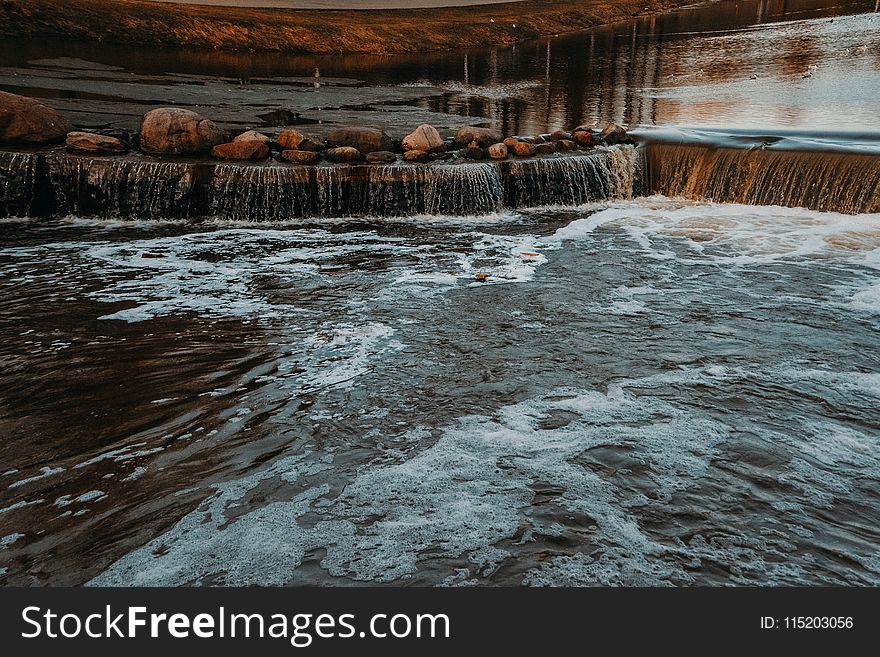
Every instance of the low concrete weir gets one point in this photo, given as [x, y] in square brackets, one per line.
[832, 172]
[59, 184]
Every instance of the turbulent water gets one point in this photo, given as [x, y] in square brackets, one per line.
[650, 392]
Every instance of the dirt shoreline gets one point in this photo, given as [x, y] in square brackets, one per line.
[313, 32]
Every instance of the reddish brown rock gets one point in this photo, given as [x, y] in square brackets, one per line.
[300, 157]
[343, 154]
[560, 135]
[241, 150]
[309, 144]
[510, 142]
[365, 140]
[290, 139]
[498, 152]
[252, 135]
[545, 149]
[89, 143]
[583, 138]
[524, 149]
[484, 137]
[25, 121]
[424, 138]
[564, 145]
[176, 131]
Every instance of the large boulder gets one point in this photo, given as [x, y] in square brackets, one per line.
[176, 131]
[365, 140]
[241, 150]
[484, 137]
[89, 143]
[25, 121]
[614, 134]
[424, 138]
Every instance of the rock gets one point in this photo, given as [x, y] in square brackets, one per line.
[381, 157]
[343, 154]
[498, 152]
[301, 157]
[524, 149]
[483, 136]
[365, 140]
[25, 121]
[289, 140]
[91, 144]
[583, 138]
[176, 131]
[241, 150]
[252, 135]
[545, 149]
[416, 155]
[614, 134]
[473, 152]
[564, 145]
[424, 138]
[309, 144]
[510, 142]
[560, 135]
[533, 139]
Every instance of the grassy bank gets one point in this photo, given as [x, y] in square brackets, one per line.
[312, 31]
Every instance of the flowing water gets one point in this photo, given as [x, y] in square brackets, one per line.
[651, 392]
[600, 390]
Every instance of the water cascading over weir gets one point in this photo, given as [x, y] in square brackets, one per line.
[832, 172]
[837, 172]
[134, 186]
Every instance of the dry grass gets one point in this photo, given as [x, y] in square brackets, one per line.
[312, 31]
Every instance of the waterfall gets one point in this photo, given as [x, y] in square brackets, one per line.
[442, 189]
[123, 187]
[842, 181]
[572, 179]
[18, 172]
[144, 188]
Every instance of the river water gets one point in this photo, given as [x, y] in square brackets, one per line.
[639, 392]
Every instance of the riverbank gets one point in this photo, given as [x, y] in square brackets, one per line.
[136, 22]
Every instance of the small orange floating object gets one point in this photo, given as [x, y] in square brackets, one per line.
[481, 277]
[528, 254]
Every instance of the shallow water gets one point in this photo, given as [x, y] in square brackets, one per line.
[692, 67]
[651, 392]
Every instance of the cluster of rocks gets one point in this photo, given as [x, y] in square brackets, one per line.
[176, 131]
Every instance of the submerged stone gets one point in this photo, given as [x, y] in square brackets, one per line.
[416, 156]
[381, 157]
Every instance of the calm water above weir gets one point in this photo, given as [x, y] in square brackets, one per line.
[691, 67]
[652, 391]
